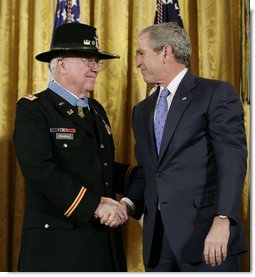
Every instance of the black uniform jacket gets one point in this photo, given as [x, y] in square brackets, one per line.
[68, 164]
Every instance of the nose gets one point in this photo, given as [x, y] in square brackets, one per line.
[138, 61]
[96, 68]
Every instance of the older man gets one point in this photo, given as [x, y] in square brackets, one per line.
[65, 150]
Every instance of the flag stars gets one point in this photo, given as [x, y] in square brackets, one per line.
[74, 3]
[63, 15]
[66, 11]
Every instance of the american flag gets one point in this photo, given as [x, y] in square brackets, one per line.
[168, 10]
[66, 11]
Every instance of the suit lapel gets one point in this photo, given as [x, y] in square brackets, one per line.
[151, 108]
[182, 99]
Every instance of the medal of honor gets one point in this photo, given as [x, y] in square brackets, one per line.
[80, 112]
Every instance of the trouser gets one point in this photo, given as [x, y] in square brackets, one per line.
[163, 259]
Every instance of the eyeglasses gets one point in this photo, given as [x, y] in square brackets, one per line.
[91, 62]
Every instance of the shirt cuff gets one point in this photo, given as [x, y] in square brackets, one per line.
[129, 202]
[222, 216]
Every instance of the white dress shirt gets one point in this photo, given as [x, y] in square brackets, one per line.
[172, 87]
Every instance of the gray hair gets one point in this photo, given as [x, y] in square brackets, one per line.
[53, 65]
[172, 34]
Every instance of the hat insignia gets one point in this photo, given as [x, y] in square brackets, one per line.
[96, 39]
[86, 42]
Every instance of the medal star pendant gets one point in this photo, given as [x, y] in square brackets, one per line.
[80, 112]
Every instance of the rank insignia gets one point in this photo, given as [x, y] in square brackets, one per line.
[70, 112]
[30, 97]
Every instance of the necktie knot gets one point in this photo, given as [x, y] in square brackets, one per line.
[164, 93]
[82, 102]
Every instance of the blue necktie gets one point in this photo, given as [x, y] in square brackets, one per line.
[160, 117]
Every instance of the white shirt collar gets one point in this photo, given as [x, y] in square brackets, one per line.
[173, 85]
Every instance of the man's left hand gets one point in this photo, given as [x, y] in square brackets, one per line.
[216, 242]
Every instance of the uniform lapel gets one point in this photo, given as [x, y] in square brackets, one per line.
[103, 128]
[71, 113]
[182, 99]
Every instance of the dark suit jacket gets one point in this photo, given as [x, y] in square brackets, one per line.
[200, 170]
[56, 165]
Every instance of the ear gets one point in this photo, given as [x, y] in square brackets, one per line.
[61, 65]
[167, 52]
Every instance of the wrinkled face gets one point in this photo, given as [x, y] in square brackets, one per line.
[79, 73]
[148, 61]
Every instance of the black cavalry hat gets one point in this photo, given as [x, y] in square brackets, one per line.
[74, 39]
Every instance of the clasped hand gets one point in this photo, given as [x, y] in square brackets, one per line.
[111, 212]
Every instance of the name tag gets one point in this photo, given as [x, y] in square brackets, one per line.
[64, 136]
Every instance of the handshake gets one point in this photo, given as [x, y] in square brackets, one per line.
[111, 212]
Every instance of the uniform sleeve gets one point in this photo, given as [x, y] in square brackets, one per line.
[45, 179]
